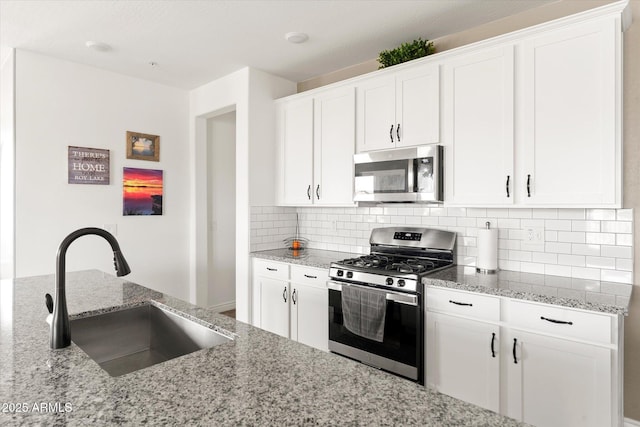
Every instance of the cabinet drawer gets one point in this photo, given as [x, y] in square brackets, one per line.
[463, 303]
[316, 277]
[560, 321]
[273, 269]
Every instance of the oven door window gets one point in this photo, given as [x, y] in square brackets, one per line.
[383, 177]
[402, 336]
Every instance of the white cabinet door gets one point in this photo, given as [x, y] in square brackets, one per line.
[274, 306]
[478, 127]
[296, 152]
[376, 114]
[463, 359]
[309, 316]
[334, 145]
[553, 382]
[572, 145]
[418, 106]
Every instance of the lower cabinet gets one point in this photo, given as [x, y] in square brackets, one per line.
[463, 359]
[543, 365]
[291, 301]
[557, 382]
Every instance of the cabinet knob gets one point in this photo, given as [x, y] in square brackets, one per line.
[528, 185]
[309, 191]
[293, 297]
[560, 322]
[318, 191]
[391, 134]
[284, 294]
[461, 303]
[398, 132]
[515, 343]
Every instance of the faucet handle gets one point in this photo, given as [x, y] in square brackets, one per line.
[49, 302]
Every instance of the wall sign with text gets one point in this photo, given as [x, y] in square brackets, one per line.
[88, 166]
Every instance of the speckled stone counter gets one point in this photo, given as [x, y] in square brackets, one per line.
[257, 379]
[591, 295]
[310, 257]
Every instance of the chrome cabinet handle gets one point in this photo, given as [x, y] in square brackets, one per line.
[493, 341]
[310, 277]
[508, 176]
[560, 322]
[284, 294]
[293, 297]
[398, 132]
[515, 343]
[528, 185]
[318, 191]
[391, 134]
[309, 191]
[272, 269]
[461, 303]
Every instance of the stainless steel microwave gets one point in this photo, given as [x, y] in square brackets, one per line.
[402, 175]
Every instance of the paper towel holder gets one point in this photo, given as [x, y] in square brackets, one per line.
[485, 270]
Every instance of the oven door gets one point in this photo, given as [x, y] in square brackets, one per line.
[401, 350]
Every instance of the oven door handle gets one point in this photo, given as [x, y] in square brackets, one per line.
[399, 297]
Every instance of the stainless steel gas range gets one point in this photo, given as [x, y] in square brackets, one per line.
[376, 301]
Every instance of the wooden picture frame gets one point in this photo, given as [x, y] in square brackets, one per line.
[143, 146]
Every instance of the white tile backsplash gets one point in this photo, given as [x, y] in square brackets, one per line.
[591, 244]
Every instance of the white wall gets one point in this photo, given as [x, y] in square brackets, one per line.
[250, 92]
[59, 103]
[7, 149]
[221, 145]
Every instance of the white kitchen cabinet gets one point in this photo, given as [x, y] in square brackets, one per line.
[274, 306]
[399, 110]
[316, 137]
[295, 177]
[553, 366]
[309, 306]
[478, 102]
[292, 301]
[333, 147]
[552, 382]
[463, 359]
[570, 103]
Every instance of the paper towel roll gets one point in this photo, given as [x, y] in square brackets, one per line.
[487, 250]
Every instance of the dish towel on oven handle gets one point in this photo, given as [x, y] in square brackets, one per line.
[364, 311]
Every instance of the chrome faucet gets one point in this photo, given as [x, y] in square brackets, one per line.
[60, 330]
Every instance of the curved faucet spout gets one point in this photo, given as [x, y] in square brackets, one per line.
[60, 330]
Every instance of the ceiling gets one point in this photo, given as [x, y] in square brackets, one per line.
[195, 42]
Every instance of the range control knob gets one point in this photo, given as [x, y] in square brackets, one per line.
[401, 283]
[340, 273]
[389, 281]
[349, 274]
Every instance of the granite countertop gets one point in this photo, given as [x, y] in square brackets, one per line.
[584, 294]
[309, 257]
[259, 378]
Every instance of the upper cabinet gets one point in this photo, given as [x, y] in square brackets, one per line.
[541, 131]
[316, 140]
[478, 127]
[527, 119]
[569, 98]
[399, 110]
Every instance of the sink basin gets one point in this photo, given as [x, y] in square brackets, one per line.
[127, 340]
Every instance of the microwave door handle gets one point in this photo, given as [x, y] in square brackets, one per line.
[412, 178]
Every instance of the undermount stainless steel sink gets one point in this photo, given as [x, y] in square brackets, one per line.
[130, 339]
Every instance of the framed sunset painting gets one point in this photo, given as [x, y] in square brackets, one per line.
[142, 146]
[142, 191]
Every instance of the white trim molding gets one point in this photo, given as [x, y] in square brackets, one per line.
[628, 422]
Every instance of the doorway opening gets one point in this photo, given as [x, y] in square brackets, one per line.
[221, 212]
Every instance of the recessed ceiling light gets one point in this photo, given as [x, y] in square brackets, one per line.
[99, 46]
[295, 37]
[153, 64]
